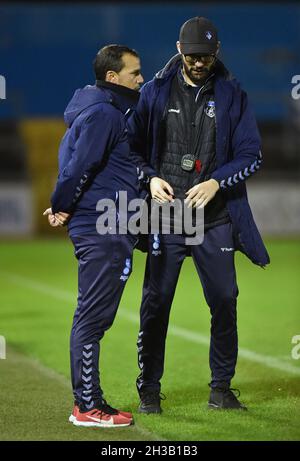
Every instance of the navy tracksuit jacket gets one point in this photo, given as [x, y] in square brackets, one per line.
[94, 163]
[238, 156]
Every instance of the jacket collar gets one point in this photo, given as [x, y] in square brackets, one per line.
[121, 97]
[206, 85]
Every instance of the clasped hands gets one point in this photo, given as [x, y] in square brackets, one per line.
[161, 191]
[56, 219]
[198, 196]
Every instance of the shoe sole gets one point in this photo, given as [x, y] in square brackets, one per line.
[212, 406]
[94, 424]
[72, 418]
[149, 412]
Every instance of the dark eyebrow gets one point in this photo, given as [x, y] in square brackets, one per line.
[136, 72]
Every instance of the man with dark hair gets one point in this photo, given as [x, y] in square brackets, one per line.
[95, 164]
[194, 137]
[110, 59]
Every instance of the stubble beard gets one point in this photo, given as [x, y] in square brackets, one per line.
[196, 79]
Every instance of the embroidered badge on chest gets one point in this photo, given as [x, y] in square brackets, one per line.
[210, 109]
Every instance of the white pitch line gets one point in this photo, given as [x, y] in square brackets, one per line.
[266, 360]
[16, 357]
[49, 372]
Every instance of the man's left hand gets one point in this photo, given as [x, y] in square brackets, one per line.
[57, 219]
[199, 195]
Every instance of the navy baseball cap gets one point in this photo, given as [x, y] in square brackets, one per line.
[198, 36]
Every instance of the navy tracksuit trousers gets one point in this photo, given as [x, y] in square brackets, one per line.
[105, 263]
[214, 261]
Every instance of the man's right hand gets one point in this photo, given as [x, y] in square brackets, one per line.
[161, 191]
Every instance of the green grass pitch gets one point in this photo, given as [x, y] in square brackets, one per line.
[38, 284]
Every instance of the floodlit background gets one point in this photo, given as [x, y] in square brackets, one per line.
[46, 53]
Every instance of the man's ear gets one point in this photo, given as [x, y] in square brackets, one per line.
[218, 48]
[112, 77]
[178, 47]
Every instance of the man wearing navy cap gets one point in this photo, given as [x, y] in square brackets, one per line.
[195, 138]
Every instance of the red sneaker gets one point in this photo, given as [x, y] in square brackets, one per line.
[75, 412]
[99, 418]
